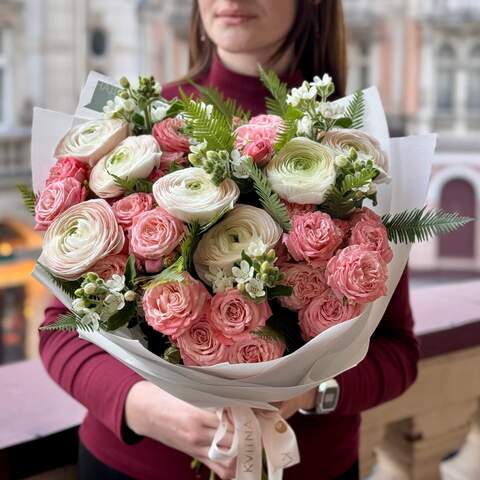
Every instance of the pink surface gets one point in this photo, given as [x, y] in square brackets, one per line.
[32, 405]
[445, 307]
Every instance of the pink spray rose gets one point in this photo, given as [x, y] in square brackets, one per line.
[235, 315]
[55, 198]
[358, 274]
[323, 312]
[166, 161]
[307, 282]
[372, 235]
[127, 208]
[254, 349]
[170, 308]
[111, 265]
[68, 167]
[155, 234]
[256, 138]
[314, 237]
[167, 134]
[199, 345]
[364, 214]
[298, 209]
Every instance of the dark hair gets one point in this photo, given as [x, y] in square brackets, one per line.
[318, 34]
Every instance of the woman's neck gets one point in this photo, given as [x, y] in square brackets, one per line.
[247, 63]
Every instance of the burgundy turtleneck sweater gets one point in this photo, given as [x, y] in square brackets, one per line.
[328, 443]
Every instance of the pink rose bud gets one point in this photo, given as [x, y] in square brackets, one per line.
[260, 150]
[127, 208]
[154, 234]
[55, 198]
[167, 134]
[255, 349]
[358, 274]
[314, 238]
[323, 312]
[372, 235]
[68, 167]
[200, 345]
[111, 265]
[170, 308]
[307, 281]
[234, 315]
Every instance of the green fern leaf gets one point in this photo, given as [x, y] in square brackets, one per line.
[28, 196]
[339, 205]
[68, 287]
[420, 224]
[277, 105]
[356, 109]
[270, 201]
[132, 185]
[68, 322]
[189, 243]
[174, 273]
[228, 107]
[213, 128]
[289, 128]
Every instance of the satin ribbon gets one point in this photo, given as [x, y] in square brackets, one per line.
[252, 432]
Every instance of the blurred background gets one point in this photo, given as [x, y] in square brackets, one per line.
[424, 56]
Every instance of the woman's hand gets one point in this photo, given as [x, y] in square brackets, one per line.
[290, 407]
[154, 413]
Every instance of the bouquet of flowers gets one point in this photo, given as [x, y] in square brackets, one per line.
[208, 249]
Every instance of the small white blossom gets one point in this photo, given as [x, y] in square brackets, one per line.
[116, 283]
[305, 92]
[114, 301]
[91, 318]
[341, 160]
[78, 305]
[129, 105]
[157, 88]
[256, 248]
[158, 110]
[330, 110]
[243, 274]
[130, 296]
[114, 107]
[198, 148]
[305, 126]
[237, 162]
[255, 288]
[220, 280]
[323, 82]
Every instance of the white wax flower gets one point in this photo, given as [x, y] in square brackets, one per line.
[135, 157]
[305, 126]
[219, 279]
[330, 110]
[190, 194]
[323, 82]
[244, 273]
[158, 110]
[116, 283]
[255, 288]
[90, 141]
[238, 164]
[221, 246]
[256, 248]
[302, 171]
[114, 301]
[305, 92]
[79, 238]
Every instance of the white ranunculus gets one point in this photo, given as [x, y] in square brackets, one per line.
[302, 171]
[79, 238]
[189, 194]
[135, 157]
[221, 246]
[341, 141]
[90, 141]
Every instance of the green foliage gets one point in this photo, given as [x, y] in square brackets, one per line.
[277, 104]
[130, 272]
[68, 322]
[213, 128]
[228, 107]
[122, 317]
[356, 109]
[28, 196]
[289, 127]
[175, 108]
[279, 291]
[269, 333]
[172, 355]
[420, 224]
[189, 243]
[270, 201]
[132, 185]
[174, 273]
[68, 287]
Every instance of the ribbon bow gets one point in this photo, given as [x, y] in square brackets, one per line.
[251, 432]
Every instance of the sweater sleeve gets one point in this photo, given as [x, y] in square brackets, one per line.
[390, 365]
[87, 373]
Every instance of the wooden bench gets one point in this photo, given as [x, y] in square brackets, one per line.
[410, 436]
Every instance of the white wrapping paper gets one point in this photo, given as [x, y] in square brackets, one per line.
[237, 387]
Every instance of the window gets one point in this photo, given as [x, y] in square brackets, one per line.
[98, 41]
[3, 67]
[446, 77]
[364, 63]
[473, 95]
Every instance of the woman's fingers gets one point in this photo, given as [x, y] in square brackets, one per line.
[225, 470]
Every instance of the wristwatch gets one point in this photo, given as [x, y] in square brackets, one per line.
[327, 398]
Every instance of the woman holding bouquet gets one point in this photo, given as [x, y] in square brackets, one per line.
[136, 430]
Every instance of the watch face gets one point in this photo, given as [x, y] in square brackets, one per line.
[329, 401]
